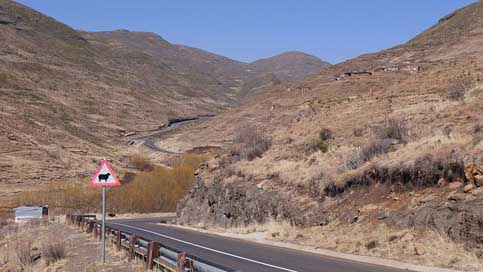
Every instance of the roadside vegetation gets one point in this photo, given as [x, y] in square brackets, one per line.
[151, 189]
[51, 245]
[408, 245]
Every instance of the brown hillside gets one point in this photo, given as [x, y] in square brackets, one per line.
[69, 98]
[382, 138]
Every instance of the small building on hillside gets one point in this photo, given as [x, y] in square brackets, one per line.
[28, 213]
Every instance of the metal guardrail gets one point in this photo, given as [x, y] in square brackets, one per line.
[154, 254]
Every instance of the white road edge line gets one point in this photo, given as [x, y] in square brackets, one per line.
[207, 248]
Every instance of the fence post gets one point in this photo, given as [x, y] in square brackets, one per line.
[153, 252]
[132, 242]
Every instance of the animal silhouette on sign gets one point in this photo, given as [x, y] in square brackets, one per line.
[104, 177]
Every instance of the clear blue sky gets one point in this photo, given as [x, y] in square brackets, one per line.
[246, 30]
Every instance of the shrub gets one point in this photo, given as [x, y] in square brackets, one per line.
[371, 244]
[447, 131]
[358, 132]
[250, 143]
[140, 162]
[3, 221]
[392, 129]
[369, 151]
[23, 250]
[477, 134]
[322, 144]
[326, 134]
[53, 251]
[457, 92]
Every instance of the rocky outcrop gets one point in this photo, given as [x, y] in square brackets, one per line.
[230, 204]
[453, 209]
[461, 218]
[227, 205]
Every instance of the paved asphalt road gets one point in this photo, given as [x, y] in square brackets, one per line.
[239, 254]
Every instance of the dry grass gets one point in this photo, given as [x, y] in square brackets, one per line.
[24, 252]
[154, 190]
[379, 240]
[54, 250]
[61, 248]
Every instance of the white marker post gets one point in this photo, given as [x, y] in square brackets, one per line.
[104, 177]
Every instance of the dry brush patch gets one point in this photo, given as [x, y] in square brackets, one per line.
[140, 162]
[60, 247]
[155, 190]
[54, 250]
[250, 143]
[425, 171]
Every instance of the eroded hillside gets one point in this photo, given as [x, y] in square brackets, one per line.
[393, 138]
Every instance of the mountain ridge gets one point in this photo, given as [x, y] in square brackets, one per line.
[72, 96]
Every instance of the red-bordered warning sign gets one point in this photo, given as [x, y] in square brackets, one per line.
[104, 176]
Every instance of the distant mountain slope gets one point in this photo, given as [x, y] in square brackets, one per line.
[69, 97]
[290, 66]
[220, 76]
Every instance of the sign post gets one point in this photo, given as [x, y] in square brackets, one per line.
[104, 177]
[103, 224]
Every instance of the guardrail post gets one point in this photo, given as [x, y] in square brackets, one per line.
[132, 242]
[118, 240]
[181, 262]
[90, 227]
[95, 230]
[99, 232]
[153, 253]
[108, 234]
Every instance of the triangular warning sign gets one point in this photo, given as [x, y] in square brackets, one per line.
[104, 176]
